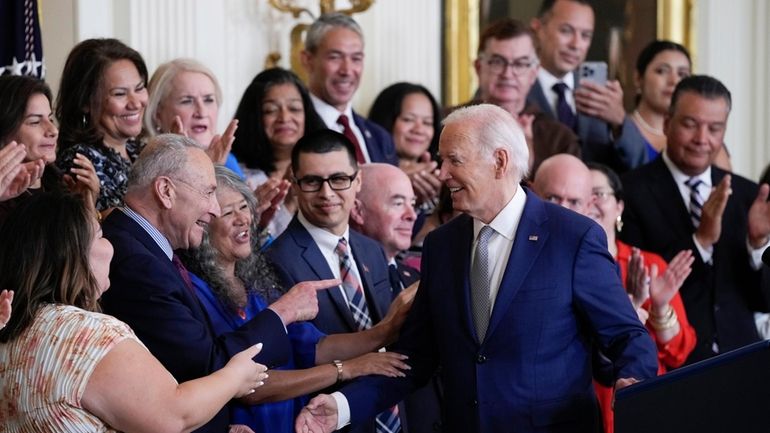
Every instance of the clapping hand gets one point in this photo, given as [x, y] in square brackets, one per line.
[6, 299]
[82, 178]
[759, 218]
[664, 287]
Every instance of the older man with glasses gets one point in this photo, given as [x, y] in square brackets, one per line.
[507, 67]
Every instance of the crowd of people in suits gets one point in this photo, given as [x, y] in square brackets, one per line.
[502, 265]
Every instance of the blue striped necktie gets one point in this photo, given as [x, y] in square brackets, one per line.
[696, 200]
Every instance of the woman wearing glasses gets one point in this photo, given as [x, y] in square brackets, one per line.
[652, 285]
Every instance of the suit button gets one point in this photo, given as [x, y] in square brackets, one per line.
[474, 403]
[481, 359]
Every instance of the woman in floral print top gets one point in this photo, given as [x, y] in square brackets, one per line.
[67, 368]
[99, 107]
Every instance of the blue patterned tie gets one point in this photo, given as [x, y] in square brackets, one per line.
[696, 201]
[387, 421]
[563, 110]
[480, 296]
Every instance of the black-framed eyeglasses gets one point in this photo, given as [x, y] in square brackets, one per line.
[499, 64]
[337, 182]
[208, 195]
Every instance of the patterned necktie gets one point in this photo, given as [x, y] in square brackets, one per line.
[563, 110]
[696, 201]
[348, 132]
[480, 302]
[387, 421]
[353, 288]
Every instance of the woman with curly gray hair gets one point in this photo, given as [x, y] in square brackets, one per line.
[234, 282]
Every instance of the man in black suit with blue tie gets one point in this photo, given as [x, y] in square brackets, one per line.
[682, 201]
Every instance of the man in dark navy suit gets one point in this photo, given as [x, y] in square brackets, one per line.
[514, 294]
[171, 197]
[319, 243]
[334, 61]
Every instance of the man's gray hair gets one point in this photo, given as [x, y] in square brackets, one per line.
[495, 128]
[164, 155]
[326, 22]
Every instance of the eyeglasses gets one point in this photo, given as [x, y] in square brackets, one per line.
[208, 195]
[499, 64]
[601, 196]
[337, 182]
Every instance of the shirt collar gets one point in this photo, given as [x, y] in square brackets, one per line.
[154, 233]
[507, 220]
[547, 80]
[680, 177]
[326, 240]
[328, 113]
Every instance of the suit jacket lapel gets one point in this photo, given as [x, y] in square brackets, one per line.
[664, 189]
[537, 96]
[462, 265]
[315, 260]
[531, 236]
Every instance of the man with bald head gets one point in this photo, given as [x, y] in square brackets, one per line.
[168, 204]
[384, 211]
[513, 296]
[564, 180]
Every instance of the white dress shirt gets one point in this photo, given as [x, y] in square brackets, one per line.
[330, 115]
[504, 225]
[327, 242]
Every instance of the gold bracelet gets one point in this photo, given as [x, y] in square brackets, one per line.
[337, 363]
[668, 322]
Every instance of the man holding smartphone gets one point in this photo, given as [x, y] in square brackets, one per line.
[592, 105]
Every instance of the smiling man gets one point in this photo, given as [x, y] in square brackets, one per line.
[334, 61]
[319, 244]
[564, 30]
[683, 201]
[513, 295]
[169, 202]
[507, 66]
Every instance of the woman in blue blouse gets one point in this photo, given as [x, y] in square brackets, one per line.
[234, 282]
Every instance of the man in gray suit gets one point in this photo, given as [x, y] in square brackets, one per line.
[564, 29]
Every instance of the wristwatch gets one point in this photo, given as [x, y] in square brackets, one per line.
[337, 363]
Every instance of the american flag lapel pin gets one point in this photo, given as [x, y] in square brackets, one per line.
[366, 268]
[533, 238]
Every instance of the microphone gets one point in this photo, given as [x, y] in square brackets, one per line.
[766, 257]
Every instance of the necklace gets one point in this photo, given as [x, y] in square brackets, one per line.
[646, 125]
